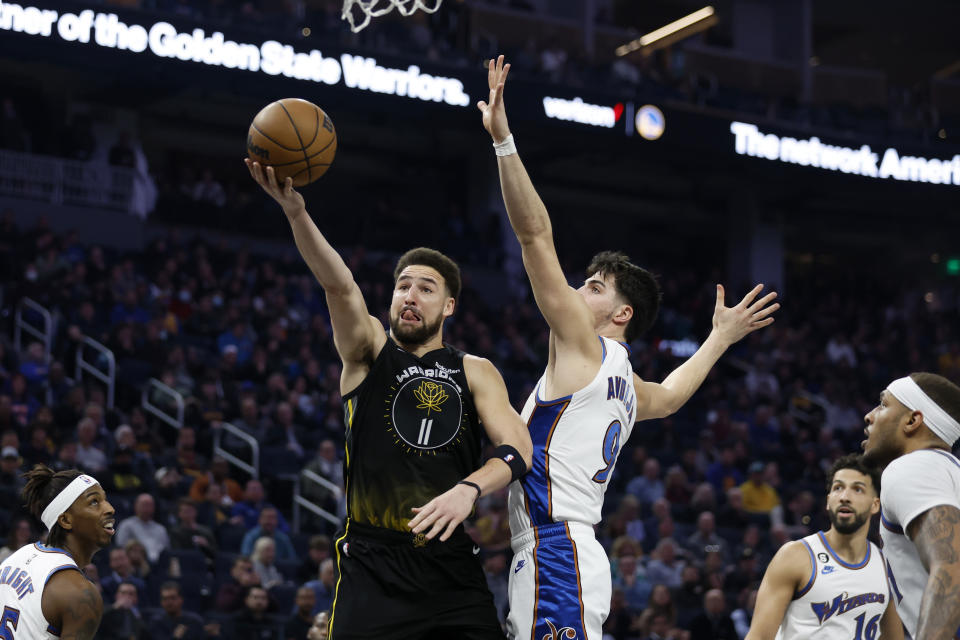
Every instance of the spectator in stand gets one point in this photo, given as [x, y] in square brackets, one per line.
[318, 550]
[246, 513]
[252, 623]
[759, 496]
[705, 538]
[175, 623]
[21, 533]
[219, 474]
[714, 623]
[647, 488]
[34, 365]
[137, 555]
[661, 603]
[11, 482]
[39, 447]
[142, 527]
[264, 556]
[208, 191]
[631, 579]
[123, 619]
[743, 616]
[298, 624]
[733, 515]
[267, 527]
[90, 457]
[665, 567]
[724, 474]
[249, 422]
[121, 571]
[231, 593]
[287, 435]
[23, 404]
[240, 336]
[324, 586]
[190, 535]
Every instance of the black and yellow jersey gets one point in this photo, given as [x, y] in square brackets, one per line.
[412, 434]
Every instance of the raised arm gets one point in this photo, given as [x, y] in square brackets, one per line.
[71, 603]
[357, 336]
[788, 572]
[730, 325]
[936, 533]
[503, 427]
[565, 312]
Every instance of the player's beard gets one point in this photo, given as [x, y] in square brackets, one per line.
[849, 526]
[416, 335]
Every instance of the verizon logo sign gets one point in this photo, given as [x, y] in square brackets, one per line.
[577, 110]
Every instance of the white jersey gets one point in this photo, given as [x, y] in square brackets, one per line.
[840, 601]
[23, 575]
[576, 440]
[911, 485]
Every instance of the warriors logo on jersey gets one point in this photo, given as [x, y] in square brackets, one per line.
[425, 412]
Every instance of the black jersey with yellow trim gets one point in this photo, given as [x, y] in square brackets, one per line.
[412, 433]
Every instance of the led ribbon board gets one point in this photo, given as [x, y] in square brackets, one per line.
[273, 58]
[811, 152]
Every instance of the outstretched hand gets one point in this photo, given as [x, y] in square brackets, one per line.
[286, 196]
[444, 513]
[731, 324]
[494, 113]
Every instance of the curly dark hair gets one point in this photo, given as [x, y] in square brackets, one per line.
[43, 485]
[432, 258]
[854, 461]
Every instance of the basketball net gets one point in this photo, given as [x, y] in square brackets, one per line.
[376, 8]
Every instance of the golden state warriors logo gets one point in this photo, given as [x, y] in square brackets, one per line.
[425, 415]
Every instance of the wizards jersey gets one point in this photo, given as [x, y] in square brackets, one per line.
[576, 440]
[840, 601]
[412, 434]
[23, 576]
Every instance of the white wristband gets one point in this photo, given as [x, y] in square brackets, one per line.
[505, 148]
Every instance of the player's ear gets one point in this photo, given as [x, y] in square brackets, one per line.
[875, 506]
[913, 423]
[65, 521]
[623, 314]
[448, 307]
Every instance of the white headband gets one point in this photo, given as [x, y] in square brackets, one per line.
[65, 498]
[939, 421]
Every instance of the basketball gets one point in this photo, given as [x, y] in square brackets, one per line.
[295, 137]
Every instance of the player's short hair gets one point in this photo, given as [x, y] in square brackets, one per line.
[432, 258]
[939, 389]
[637, 286]
[43, 485]
[854, 461]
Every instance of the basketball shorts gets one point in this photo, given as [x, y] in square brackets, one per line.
[559, 584]
[395, 585]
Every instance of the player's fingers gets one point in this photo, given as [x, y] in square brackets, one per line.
[436, 528]
[499, 65]
[249, 164]
[256, 172]
[763, 313]
[482, 105]
[449, 530]
[490, 72]
[503, 76]
[720, 296]
[762, 302]
[272, 178]
[288, 186]
[766, 322]
[748, 299]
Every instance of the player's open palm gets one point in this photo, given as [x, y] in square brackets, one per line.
[442, 514]
[285, 195]
[732, 323]
[494, 113]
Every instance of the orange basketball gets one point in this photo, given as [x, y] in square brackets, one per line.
[295, 137]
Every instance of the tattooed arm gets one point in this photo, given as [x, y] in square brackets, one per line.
[936, 533]
[73, 605]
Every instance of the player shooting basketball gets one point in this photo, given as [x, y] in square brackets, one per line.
[415, 411]
[585, 405]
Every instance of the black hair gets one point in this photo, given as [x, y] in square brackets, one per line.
[171, 584]
[43, 485]
[637, 286]
[854, 461]
[432, 258]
